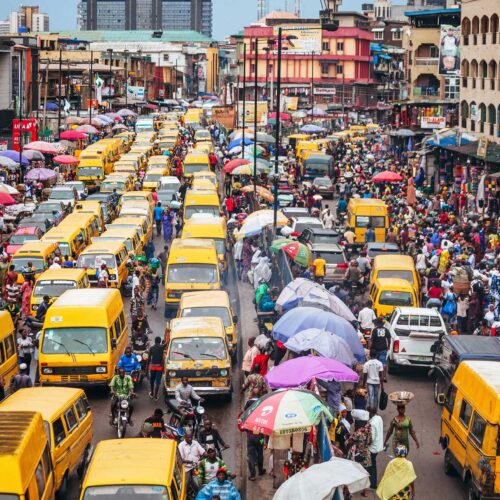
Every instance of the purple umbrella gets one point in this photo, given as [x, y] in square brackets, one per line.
[14, 155]
[298, 372]
[40, 174]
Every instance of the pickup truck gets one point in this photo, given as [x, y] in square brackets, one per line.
[414, 330]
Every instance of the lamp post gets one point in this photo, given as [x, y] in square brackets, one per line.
[267, 50]
[312, 81]
[244, 99]
[59, 96]
[91, 85]
[256, 62]
[126, 52]
[110, 52]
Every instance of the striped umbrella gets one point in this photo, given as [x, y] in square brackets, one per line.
[284, 412]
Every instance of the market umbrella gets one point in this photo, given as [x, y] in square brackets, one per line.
[299, 114]
[258, 220]
[299, 253]
[88, 129]
[43, 147]
[261, 191]
[278, 243]
[238, 141]
[236, 150]
[7, 162]
[285, 412]
[40, 174]
[6, 188]
[119, 126]
[312, 129]
[387, 176]
[321, 481]
[6, 199]
[74, 120]
[125, 112]
[326, 344]
[317, 112]
[51, 106]
[264, 138]
[298, 372]
[73, 135]
[33, 155]
[14, 156]
[302, 291]
[232, 164]
[243, 170]
[66, 159]
[95, 122]
[283, 116]
[106, 119]
[302, 318]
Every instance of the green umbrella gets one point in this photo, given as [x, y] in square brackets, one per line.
[279, 243]
[299, 253]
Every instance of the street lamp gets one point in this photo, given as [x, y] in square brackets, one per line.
[267, 50]
[312, 81]
[256, 62]
[110, 52]
[244, 98]
[126, 52]
[59, 95]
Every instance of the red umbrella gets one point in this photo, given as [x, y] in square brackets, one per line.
[6, 199]
[387, 176]
[66, 159]
[283, 116]
[73, 135]
[43, 147]
[231, 165]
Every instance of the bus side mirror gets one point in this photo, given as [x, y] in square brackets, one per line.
[235, 319]
[441, 399]
[113, 344]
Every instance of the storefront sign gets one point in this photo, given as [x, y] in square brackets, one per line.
[433, 122]
[249, 113]
[92, 103]
[302, 40]
[225, 115]
[135, 92]
[325, 91]
[482, 147]
[29, 132]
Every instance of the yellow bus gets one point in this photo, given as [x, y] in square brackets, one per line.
[71, 240]
[9, 364]
[364, 212]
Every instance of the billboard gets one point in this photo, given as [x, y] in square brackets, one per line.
[249, 113]
[226, 115]
[29, 131]
[135, 92]
[433, 122]
[307, 40]
[449, 50]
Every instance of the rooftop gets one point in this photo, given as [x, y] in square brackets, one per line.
[135, 36]
[415, 13]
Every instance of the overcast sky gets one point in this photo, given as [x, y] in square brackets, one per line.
[229, 15]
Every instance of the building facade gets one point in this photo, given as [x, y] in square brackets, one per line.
[28, 19]
[480, 78]
[170, 15]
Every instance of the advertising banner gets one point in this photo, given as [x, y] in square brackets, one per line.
[449, 50]
[29, 131]
[249, 113]
[226, 115]
[135, 92]
[433, 122]
[307, 40]
[325, 91]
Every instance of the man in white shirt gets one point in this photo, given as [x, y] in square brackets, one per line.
[377, 444]
[366, 317]
[372, 379]
[55, 264]
[191, 453]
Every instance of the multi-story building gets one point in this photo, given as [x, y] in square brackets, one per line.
[432, 70]
[480, 77]
[146, 15]
[28, 19]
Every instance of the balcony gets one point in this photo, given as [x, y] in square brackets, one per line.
[426, 61]
[426, 91]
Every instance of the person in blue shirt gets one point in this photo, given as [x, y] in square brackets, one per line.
[220, 487]
[341, 206]
[369, 234]
[129, 361]
[158, 213]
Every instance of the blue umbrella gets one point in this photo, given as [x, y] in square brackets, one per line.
[312, 129]
[303, 318]
[51, 106]
[237, 142]
[105, 119]
[14, 155]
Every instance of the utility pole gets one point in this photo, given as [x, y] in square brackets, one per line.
[91, 86]
[312, 81]
[256, 62]
[278, 127]
[59, 96]
[244, 99]
[21, 92]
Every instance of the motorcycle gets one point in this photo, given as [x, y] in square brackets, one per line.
[185, 416]
[122, 415]
[171, 432]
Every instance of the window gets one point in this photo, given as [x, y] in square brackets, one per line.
[477, 428]
[71, 421]
[82, 407]
[10, 350]
[166, 57]
[252, 68]
[396, 35]
[340, 46]
[326, 46]
[450, 398]
[2, 353]
[378, 35]
[59, 432]
[173, 489]
[340, 69]
[118, 327]
[178, 473]
[465, 413]
[325, 68]
[40, 479]
[433, 51]
[47, 463]
[451, 88]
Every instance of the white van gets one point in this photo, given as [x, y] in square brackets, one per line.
[144, 125]
[413, 332]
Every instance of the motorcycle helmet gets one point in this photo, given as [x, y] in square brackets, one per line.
[400, 451]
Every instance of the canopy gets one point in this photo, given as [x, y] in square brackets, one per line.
[285, 412]
[302, 318]
[320, 481]
[40, 174]
[325, 343]
[387, 176]
[312, 129]
[298, 372]
[66, 159]
[317, 112]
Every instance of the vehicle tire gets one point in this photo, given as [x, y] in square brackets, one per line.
[449, 470]
[391, 367]
[83, 464]
[471, 491]
[121, 429]
[63, 489]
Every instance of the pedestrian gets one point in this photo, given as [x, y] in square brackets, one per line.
[377, 444]
[149, 250]
[162, 257]
[249, 356]
[25, 349]
[398, 481]
[261, 359]
[208, 467]
[22, 380]
[254, 381]
[26, 291]
[373, 378]
[255, 454]
[166, 221]
[155, 358]
[103, 276]
[367, 316]
[402, 428]
[380, 341]
[343, 429]
[462, 308]
[360, 440]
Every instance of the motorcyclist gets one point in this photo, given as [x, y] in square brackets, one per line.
[40, 313]
[185, 393]
[156, 420]
[140, 328]
[210, 438]
[353, 274]
[121, 386]
[129, 361]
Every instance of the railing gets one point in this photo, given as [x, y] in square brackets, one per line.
[426, 61]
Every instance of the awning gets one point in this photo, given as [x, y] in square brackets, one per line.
[378, 29]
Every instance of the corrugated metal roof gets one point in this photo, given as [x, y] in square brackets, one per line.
[433, 12]
[135, 36]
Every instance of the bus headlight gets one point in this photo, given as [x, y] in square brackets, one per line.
[223, 373]
[172, 374]
[47, 371]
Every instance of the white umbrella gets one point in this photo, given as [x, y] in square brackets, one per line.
[320, 481]
[258, 220]
[7, 162]
[5, 188]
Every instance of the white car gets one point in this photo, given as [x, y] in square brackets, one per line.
[414, 330]
[301, 223]
[65, 194]
[79, 186]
